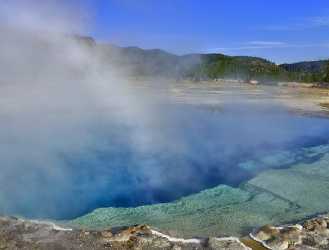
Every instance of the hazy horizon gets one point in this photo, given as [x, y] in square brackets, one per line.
[280, 31]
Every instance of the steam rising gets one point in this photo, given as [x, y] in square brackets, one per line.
[76, 135]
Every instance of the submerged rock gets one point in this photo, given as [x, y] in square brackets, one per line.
[227, 244]
[267, 232]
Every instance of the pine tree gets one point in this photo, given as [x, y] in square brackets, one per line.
[326, 78]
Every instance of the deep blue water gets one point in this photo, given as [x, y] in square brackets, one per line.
[186, 150]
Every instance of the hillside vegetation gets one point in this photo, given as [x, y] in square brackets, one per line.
[156, 62]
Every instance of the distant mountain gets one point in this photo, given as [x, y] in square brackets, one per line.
[142, 62]
[311, 66]
[156, 62]
[85, 40]
[312, 71]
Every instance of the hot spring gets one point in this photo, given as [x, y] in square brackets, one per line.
[84, 137]
[187, 149]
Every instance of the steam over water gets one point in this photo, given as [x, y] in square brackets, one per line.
[197, 148]
[75, 135]
[203, 149]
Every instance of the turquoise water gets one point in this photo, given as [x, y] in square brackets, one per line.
[274, 196]
[275, 169]
[162, 163]
[196, 149]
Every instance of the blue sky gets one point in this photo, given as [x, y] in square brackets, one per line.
[281, 30]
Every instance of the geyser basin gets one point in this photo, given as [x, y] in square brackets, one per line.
[185, 150]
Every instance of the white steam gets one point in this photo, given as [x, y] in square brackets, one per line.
[75, 134]
[54, 95]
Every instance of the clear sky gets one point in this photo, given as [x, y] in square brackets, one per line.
[280, 30]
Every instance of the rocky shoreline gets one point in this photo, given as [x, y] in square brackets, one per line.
[311, 234]
[17, 234]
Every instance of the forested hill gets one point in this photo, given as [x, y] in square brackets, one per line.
[194, 66]
[312, 71]
[311, 66]
[156, 62]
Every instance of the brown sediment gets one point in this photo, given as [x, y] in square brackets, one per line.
[325, 105]
[255, 245]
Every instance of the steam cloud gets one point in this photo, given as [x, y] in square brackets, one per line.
[76, 135]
